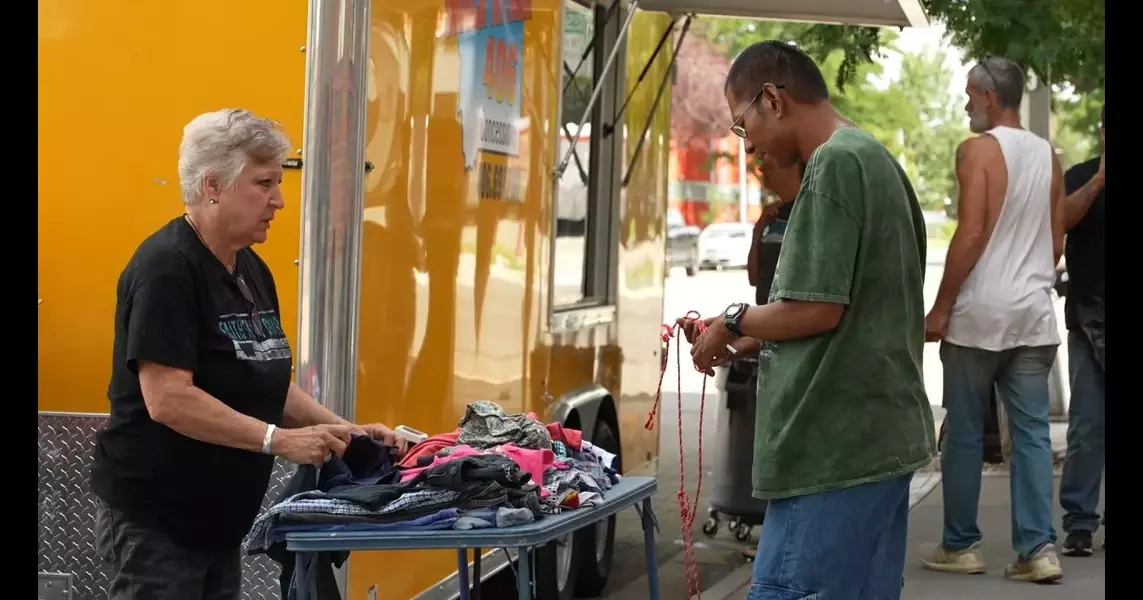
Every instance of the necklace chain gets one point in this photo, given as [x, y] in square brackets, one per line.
[201, 239]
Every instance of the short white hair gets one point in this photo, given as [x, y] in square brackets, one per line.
[221, 143]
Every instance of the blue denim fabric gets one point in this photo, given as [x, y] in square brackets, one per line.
[1020, 376]
[1083, 467]
[847, 544]
[364, 462]
[444, 519]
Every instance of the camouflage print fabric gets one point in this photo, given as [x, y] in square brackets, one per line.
[485, 425]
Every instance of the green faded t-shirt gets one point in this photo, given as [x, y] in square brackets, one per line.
[849, 406]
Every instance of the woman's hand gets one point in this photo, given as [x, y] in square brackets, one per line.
[383, 434]
[310, 445]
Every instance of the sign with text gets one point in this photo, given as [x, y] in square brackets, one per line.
[490, 41]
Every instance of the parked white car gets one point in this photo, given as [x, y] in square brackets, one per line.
[723, 245]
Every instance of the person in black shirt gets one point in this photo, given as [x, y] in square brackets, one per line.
[201, 393]
[762, 261]
[1083, 314]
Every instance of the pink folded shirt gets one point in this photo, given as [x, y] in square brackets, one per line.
[459, 451]
[534, 462]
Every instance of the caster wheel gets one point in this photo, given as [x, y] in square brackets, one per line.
[742, 532]
[710, 527]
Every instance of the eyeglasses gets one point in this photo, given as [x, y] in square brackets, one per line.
[251, 306]
[736, 127]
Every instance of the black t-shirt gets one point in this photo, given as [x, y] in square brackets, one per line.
[177, 305]
[766, 262]
[1084, 248]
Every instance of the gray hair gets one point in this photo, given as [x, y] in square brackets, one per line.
[221, 143]
[1004, 77]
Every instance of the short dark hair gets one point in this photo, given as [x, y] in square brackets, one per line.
[778, 63]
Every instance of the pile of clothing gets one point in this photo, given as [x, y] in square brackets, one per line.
[494, 470]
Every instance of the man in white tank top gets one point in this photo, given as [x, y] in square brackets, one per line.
[996, 322]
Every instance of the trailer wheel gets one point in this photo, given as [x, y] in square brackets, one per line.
[556, 569]
[596, 544]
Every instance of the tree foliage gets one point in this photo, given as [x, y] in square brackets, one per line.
[855, 45]
[1077, 125]
[931, 141]
[698, 104]
[1061, 41]
[915, 116]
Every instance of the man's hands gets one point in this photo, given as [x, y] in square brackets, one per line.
[691, 327]
[770, 211]
[708, 338]
[743, 346]
[936, 325]
[709, 348]
[310, 445]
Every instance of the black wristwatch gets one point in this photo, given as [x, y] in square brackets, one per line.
[732, 317]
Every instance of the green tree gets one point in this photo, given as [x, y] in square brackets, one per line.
[925, 81]
[853, 46]
[1061, 41]
[884, 113]
[1077, 125]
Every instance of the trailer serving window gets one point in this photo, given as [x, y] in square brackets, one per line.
[580, 211]
[591, 167]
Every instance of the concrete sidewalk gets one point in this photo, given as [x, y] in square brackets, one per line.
[1083, 577]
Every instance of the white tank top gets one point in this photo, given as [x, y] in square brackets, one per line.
[1006, 302]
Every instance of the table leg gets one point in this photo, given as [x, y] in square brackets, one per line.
[301, 582]
[649, 550]
[462, 571]
[524, 574]
[476, 552]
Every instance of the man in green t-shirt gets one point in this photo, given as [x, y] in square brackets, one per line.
[843, 418]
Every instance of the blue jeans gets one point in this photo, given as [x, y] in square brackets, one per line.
[844, 545]
[1020, 376]
[1083, 468]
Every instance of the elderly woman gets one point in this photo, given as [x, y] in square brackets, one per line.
[201, 393]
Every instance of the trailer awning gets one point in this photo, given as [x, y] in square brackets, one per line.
[885, 13]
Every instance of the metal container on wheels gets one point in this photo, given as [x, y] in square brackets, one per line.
[731, 495]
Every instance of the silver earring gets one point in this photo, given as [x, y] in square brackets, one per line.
[213, 201]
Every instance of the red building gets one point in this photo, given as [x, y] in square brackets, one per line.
[704, 153]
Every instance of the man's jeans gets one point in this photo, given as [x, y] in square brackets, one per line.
[847, 544]
[1021, 378]
[1083, 468]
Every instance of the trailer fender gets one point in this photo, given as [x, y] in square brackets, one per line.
[580, 409]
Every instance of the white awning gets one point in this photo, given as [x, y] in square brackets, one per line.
[885, 13]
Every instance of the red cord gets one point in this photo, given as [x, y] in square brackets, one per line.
[687, 510]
